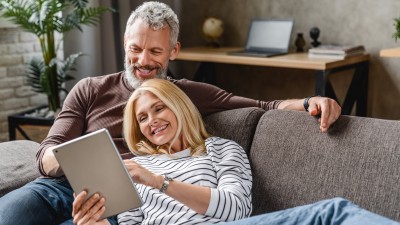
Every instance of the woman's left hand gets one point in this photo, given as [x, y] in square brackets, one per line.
[143, 176]
[88, 212]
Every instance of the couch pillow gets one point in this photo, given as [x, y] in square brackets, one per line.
[17, 164]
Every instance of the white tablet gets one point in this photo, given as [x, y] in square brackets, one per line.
[92, 162]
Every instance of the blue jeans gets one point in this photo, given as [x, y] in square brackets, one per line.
[333, 211]
[40, 202]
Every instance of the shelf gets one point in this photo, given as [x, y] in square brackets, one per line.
[392, 52]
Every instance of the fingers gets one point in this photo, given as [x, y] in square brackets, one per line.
[78, 201]
[94, 213]
[90, 210]
[329, 110]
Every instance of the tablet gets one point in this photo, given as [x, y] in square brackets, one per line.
[92, 162]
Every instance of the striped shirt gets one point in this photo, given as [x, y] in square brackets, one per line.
[225, 169]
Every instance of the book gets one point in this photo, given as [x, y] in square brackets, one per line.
[335, 51]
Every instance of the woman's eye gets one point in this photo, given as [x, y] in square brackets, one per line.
[159, 108]
[142, 118]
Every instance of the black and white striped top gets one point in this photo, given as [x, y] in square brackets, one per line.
[225, 169]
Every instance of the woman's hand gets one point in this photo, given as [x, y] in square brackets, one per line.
[90, 211]
[143, 176]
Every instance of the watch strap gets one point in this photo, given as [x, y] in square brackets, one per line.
[165, 184]
[305, 103]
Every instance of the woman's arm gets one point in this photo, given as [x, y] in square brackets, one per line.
[231, 200]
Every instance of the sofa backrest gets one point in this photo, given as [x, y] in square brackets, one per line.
[238, 125]
[294, 163]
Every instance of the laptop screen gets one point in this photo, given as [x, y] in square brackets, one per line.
[269, 34]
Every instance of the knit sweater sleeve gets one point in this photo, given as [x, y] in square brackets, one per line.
[211, 99]
[231, 200]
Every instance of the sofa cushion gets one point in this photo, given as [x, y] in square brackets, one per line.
[237, 125]
[294, 163]
[17, 164]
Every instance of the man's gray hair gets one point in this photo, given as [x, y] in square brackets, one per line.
[158, 16]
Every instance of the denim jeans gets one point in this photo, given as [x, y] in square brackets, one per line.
[333, 212]
[40, 202]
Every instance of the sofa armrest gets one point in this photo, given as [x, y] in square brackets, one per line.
[17, 164]
[294, 163]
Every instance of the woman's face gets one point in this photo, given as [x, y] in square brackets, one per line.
[156, 121]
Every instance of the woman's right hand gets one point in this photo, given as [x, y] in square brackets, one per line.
[88, 212]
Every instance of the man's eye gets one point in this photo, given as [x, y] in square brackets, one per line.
[155, 52]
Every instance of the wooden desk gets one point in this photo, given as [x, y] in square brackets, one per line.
[357, 92]
[392, 52]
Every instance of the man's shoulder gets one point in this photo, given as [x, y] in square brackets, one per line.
[103, 81]
[103, 78]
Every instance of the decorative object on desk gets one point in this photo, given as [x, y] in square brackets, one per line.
[213, 29]
[314, 34]
[46, 18]
[300, 42]
[396, 35]
[336, 51]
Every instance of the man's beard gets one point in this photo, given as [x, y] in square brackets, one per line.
[133, 80]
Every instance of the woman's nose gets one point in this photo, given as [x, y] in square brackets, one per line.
[153, 121]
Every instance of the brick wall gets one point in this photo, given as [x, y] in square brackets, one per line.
[16, 49]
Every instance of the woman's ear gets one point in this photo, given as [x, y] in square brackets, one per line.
[175, 51]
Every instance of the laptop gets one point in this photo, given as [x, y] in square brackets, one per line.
[267, 37]
[92, 162]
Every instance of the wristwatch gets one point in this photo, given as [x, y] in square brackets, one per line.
[164, 186]
[305, 103]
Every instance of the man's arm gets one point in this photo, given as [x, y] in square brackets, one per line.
[211, 99]
[68, 125]
[328, 109]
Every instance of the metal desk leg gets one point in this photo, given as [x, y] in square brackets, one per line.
[321, 78]
[358, 91]
[11, 129]
[362, 100]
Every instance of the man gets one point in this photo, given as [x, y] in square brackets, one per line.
[150, 41]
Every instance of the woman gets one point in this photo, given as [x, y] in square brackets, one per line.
[182, 174]
[186, 177]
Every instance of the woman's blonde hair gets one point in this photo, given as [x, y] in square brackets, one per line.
[190, 123]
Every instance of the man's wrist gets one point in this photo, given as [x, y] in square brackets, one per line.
[306, 102]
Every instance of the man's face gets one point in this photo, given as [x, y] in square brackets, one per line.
[147, 52]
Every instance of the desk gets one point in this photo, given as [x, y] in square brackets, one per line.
[357, 92]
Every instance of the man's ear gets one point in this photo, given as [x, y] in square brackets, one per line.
[124, 42]
[175, 51]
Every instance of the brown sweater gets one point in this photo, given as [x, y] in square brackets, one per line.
[98, 102]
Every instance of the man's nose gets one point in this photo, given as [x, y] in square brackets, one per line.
[144, 58]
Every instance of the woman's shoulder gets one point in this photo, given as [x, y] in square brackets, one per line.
[219, 143]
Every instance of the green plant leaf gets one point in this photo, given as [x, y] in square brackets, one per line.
[43, 18]
[396, 35]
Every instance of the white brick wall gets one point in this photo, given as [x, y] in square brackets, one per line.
[16, 48]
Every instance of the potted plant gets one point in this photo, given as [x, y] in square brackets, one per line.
[396, 35]
[45, 18]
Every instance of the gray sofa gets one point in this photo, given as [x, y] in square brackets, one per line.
[293, 163]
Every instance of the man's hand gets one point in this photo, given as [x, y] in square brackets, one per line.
[328, 109]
